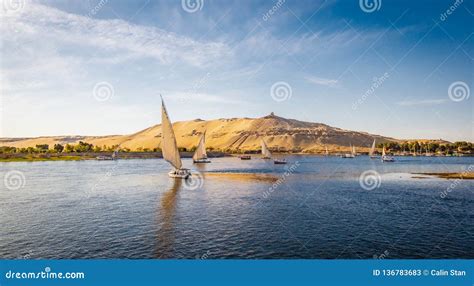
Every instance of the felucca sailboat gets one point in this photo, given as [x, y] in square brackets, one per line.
[265, 152]
[169, 148]
[372, 151]
[349, 155]
[385, 157]
[200, 155]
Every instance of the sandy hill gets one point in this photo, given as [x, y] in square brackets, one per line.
[229, 134]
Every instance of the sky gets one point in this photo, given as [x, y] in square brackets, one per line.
[402, 69]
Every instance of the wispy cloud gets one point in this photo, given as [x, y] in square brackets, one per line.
[199, 97]
[321, 81]
[421, 102]
[36, 23]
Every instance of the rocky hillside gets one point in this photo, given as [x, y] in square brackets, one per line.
[235, 134]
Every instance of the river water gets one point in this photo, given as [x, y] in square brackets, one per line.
[313, 207]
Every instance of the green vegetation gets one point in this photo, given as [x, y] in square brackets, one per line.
[81, 147]
[30, 158]
[68, 152]
[58, 148]
[83, 150]
[429, 147]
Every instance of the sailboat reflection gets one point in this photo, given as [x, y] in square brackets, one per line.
[167, 211]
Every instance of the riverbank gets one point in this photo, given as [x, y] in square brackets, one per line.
[27, 157]
[19, 157]
[462, 176]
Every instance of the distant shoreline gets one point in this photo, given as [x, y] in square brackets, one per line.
[40, 157]
[448, 175]
[26, 157]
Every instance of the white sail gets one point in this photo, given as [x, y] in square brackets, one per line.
[265, 152]
[383, 151]
[169, 148]
[354, 150]
[372, 150]
[200, 152]
[327, 152]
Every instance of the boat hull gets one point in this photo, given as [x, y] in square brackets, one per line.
[279, 162]
[201, 161]
[348, 156]
[180, 173]
[388, 159]
[103, 158]
[245, 158]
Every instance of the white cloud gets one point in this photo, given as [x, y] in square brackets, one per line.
[321, 81]
[37, 23]
[421, 102]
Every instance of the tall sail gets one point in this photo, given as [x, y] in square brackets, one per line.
[265, 152]
[327, 152]
[200, 152]
[372, 150]
[169, 148]
[354, 150]
[383, 151]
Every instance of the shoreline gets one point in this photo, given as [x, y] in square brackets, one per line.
[93, 156]
[448, 175]
[41, 157]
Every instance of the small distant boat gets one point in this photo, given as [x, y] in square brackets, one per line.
[108, 158]
[349, 155]
[385, 157]
[279, 161]
[200, 155]
[245, 157]
[327, 152]
[265, 152]
[169, 147]
[372, 151]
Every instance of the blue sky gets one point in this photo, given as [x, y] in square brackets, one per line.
[98, 67]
